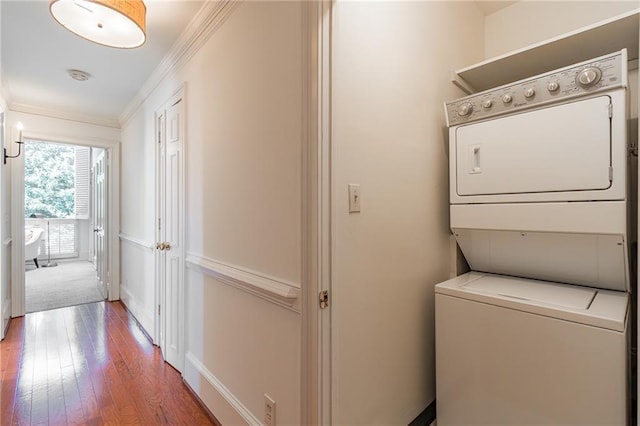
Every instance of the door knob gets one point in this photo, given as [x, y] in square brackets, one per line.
[163, 246]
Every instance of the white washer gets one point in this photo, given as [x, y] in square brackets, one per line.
[513, 351]
[539, 189]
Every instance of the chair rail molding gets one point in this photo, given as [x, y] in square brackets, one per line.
[274, 290]
[136, 242]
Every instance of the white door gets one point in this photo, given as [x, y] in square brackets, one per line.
[99, 223]
[170, 242]
[538, 151]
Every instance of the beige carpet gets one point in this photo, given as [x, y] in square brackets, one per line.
[68, 284]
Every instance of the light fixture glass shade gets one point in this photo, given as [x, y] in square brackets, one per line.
[114, 23]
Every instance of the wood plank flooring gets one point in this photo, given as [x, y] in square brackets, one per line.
[91, 365]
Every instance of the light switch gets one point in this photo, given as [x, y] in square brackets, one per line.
[354, 198]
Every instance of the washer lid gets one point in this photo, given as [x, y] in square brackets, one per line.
[562, 295]
[590, 306]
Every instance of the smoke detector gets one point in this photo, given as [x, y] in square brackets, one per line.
[79, 75]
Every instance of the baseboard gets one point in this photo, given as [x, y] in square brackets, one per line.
[195, 396]
[144, 319]
[427, 417]
[228, 409]
[6, 316]
[133, 317]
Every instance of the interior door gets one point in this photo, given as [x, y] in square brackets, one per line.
[171, 240]
[99, 197]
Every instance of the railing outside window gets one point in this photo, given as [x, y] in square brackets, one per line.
[62, 237]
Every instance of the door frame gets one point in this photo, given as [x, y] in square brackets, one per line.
[5, 240]
[316, 213]
[159, 136]
[112, 148]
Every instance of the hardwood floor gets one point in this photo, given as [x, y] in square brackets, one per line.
[89, 364]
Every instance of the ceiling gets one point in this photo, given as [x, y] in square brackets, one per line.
[489, 6]
[37, 52]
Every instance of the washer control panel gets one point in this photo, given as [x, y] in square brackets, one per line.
[603, 73]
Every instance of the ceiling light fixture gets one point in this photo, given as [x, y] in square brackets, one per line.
[114, 23]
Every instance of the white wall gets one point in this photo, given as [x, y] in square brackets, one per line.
[391, 75]
[243, 94]
[529, 22]
[37, 126]
[137, 213]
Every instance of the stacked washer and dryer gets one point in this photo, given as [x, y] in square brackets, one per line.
[538, 332]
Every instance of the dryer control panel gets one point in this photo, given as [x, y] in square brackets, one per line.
[603, 73]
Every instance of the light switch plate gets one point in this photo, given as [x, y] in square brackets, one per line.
[354, 198]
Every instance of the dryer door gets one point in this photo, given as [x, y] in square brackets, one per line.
[557, 149]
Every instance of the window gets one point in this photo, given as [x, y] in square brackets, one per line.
[56, 180]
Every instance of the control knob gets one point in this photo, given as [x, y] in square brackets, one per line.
[589, 76]
[487, 103]
[465, 109]
[553, 86]
[506, 98]
[529, 92]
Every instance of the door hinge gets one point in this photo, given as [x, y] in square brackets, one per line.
[159, 224]
[610, 174]
[324, 299]
[610, 110]
[158, 310]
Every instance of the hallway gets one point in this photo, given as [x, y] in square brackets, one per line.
[89, 364]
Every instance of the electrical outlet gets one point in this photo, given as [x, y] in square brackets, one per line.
[269, 411]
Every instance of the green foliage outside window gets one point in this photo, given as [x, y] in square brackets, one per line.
[49, 180]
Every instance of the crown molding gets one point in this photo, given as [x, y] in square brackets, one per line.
[206, 21]
[64, 115]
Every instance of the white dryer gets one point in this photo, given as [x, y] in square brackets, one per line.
[539, 195]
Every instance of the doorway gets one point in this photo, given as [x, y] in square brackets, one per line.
[64, 218]
[63, 132]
